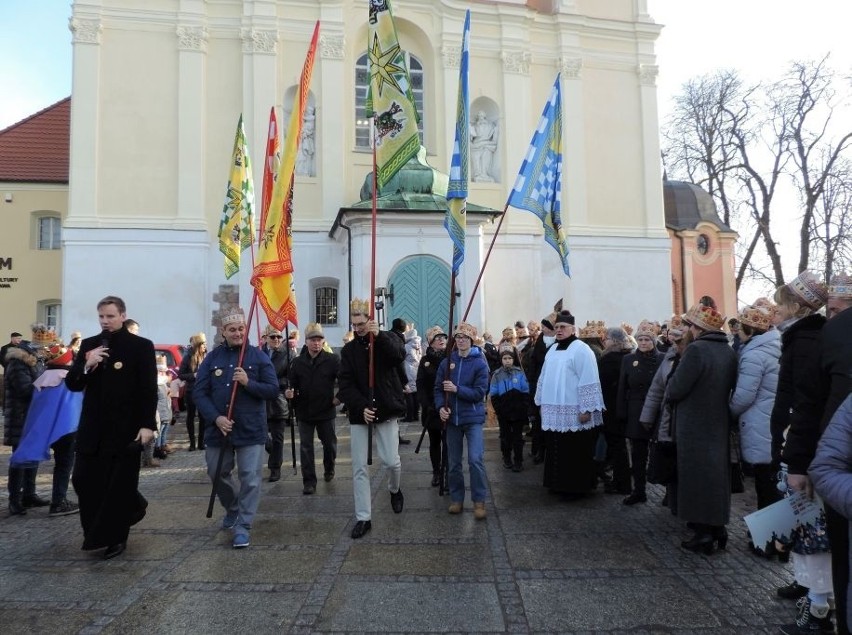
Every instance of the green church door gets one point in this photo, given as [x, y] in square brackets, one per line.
[421, 293]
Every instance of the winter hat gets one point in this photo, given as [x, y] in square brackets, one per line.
[563, 317]
[433, 332]
[313, 330]
[198, 338]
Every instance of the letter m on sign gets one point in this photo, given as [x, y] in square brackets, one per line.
[6, 263]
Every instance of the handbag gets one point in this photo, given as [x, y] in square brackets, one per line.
[737, 475]
[662, 463]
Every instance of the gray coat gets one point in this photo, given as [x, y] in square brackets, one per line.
[754, 396]
[699, 390]
[656, 414]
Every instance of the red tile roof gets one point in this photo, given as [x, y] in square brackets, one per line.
[36, 149]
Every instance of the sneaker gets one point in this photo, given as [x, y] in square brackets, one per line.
[230, 519]
[34, 500]
[810, 619]
[792, 591]
[479, 511]
[64, 508]
[241, 540]
[397, 500]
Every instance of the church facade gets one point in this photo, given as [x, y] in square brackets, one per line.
[159, 86]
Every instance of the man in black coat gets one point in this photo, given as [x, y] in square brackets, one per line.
[118, 372]
[312, 377]
[379, 406]
[277, 410]
[15, 340]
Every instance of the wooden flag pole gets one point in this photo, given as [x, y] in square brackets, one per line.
[484, 264]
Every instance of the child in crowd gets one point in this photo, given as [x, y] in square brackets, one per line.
[164, 408]
[510, 397]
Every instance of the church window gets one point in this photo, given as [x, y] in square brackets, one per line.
[325, 306]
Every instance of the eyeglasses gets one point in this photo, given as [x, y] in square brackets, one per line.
[275, 337]
[316, 337]
[358, 325]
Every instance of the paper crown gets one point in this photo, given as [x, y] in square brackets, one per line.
[593, 329]
[676, 326]
[359, 307]
[840, 287]
[43, 336]
[807, 287]
[232, 315]
[313, 330]
[756, 317]
[627, 328]
[647, 328]
[59, 355]
[433, 332]
[704, 317]
[468, 330]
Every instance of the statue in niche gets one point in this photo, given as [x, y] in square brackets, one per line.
[305, 159]
[483, 145]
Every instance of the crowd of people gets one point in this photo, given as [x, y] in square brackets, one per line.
[678, 402]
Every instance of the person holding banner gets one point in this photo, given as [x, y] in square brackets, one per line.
[242, 437]
[379, 405]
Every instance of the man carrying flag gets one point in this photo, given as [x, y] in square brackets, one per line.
[236, 229]
[538, 187]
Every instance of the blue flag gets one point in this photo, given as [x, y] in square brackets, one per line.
[455, 221]
[538, 188]
[53, 413]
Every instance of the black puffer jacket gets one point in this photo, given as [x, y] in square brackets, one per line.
[797, 399]
[637, 374]
[313, 381]
[277, 409]
[18, 381]
[354, 377]
[426, 373]
[609, 372]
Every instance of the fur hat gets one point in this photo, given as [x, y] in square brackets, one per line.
[563, 317]
[704, 317]
[198, 338]
[808, 288]
[840, 287]
[359, 307]
[59, 355]
[313, 330]
[755, 317]
[468, 330]
[43, 336]
[234, 315]
[270, 330]
[433, 332]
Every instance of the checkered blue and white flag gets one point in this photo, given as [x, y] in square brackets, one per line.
[538, 188]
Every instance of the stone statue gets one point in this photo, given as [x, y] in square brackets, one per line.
[305, 159]
[483, 145]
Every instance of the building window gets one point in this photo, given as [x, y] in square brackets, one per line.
[363, 125]
[49, 313]
[49, 232]
[325, 305]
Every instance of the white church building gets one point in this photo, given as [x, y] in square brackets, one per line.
[158, 87]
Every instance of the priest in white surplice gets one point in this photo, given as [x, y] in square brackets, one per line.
[569, 393]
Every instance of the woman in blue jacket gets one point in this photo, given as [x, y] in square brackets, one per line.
[463, 376]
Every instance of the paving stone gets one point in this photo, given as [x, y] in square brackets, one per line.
[430, 560]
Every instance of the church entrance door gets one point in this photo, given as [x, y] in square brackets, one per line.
[421, 293]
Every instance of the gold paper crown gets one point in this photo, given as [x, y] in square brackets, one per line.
[359, 307]
[647, 328]
[232, 315]
[627, 328]
[593, 329]
[433, 332]
[809, 289]
[704, 317]
[43, 336]
[463, 328]
[756, 317]
[840, 286]
[676, 326]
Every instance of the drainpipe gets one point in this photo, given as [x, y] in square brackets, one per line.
[683, 274]
[348, 269]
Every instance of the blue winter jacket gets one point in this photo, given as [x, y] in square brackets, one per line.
[470, 375]
[510, 393]
[754, 396]
[212, 394]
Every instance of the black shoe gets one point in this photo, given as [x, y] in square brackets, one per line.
[397, 500]
[507, 462]
[114, 550]
[274, 475]
[720, 535]
[328, 477]
[34, 500]
[701, 542]
[361, 528]
[201, 446]
[518, 467]
[404, 441]
[792, 591]
[436, 479]
[634, 498]
[307, 490]
[538, 459]
[16, 508]
[665, 501]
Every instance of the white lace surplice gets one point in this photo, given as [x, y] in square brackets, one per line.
[568, 385]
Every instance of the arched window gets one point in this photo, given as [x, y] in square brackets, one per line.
[363, 125]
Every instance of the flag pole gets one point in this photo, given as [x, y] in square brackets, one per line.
[372, 363]
[484, 263]
[226, 442]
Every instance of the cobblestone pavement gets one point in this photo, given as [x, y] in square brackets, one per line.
[538, 564]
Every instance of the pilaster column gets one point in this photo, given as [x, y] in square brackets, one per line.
[334, 116]
[574, 156]
[191, 113]
[652, 176]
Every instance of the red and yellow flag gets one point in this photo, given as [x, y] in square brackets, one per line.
[273, 273]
